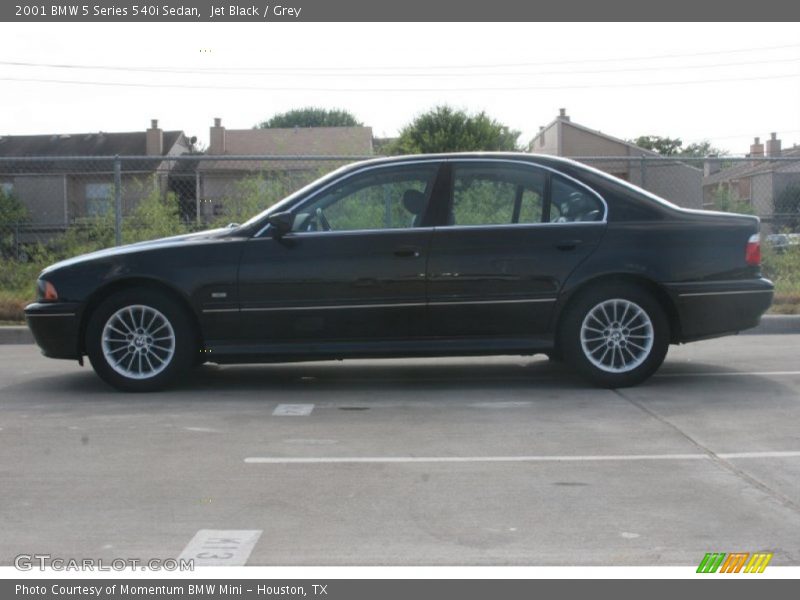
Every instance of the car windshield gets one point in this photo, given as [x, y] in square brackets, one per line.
[289, 200]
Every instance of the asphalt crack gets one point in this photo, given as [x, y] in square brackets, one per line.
[777, 496]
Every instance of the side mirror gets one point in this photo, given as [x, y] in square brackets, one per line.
[282, 222]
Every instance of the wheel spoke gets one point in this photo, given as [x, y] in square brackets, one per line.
[122, 333]
[636, 315]
[124, 356]
[632, 355]
[159, 328]
[624, 313]
[150, 323]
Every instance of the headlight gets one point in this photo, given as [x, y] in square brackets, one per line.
[47, 291]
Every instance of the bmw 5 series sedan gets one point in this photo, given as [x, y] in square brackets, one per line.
[434, 255]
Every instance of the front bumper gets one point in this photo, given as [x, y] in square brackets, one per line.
[55, 327]
[711, 309]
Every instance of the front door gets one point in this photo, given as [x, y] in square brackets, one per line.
[351, 270]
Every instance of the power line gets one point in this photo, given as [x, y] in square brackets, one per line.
[328, 69]
[418, 74]
[388, 89]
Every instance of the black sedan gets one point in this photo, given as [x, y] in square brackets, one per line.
[456, 254]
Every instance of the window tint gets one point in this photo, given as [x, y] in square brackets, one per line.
[391, 198]
[571, 203]
[496, 194]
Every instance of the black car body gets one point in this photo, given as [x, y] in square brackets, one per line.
[459, 254]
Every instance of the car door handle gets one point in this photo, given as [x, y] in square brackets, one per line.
[407, 252]
[568, 244]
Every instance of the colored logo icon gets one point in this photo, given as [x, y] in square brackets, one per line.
[735, 562]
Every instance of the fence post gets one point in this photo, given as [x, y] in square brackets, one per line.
[197, 193]
[117, 201]
[643, 171]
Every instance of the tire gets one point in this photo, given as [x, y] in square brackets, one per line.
[150, 331]
[615, 349]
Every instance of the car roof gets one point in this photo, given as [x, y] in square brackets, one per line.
[523, 156]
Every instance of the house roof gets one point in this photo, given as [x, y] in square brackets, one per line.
[131, 143]
[78, 146]
[632, 150]
[298, 141]
[631, 146]
[750, 168]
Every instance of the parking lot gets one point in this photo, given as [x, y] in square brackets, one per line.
[504, 460]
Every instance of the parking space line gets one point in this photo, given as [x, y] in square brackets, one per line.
[728, 373]
[221, 547]
[278, 460]
[293, 410]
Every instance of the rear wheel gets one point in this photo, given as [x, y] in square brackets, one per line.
[615, 335]
[140, 340]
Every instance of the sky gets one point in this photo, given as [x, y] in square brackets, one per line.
[723, 82]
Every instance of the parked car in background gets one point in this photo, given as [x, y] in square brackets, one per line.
[452, 254]
[783, 241]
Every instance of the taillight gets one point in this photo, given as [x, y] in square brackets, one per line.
[752, 253]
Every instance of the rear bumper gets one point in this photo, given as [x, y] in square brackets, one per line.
[711, 309]
[55, 327]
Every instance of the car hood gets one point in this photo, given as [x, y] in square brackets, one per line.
[167, 242]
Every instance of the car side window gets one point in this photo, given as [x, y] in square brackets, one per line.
[496, 194]
[383, 198]
[570, 203]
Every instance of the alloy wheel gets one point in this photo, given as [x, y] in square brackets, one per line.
[617, 335]
[138, 341]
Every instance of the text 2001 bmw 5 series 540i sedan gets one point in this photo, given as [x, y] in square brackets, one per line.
[457, 254]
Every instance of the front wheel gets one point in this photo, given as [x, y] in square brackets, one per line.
[616, 335]
[139, 340]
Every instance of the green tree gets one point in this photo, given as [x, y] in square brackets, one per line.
[726, 200]
[663, 145]
[787, 208]
[311, 117]
[12, 211]
[155, 216]
[666, 146]
[701, 149]
[445, 129]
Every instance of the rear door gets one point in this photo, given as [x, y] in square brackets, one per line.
[514, 233]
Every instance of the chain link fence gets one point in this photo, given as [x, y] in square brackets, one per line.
[56, 207]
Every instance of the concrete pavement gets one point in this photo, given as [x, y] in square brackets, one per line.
[502, 460]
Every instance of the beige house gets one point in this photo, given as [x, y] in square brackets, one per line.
[757, 181]
[674, 180]
[72, 176]
[224, 182]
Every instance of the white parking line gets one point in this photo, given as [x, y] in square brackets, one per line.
[728, 373]
[221, 547]
[293, 410]
[276, 460]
